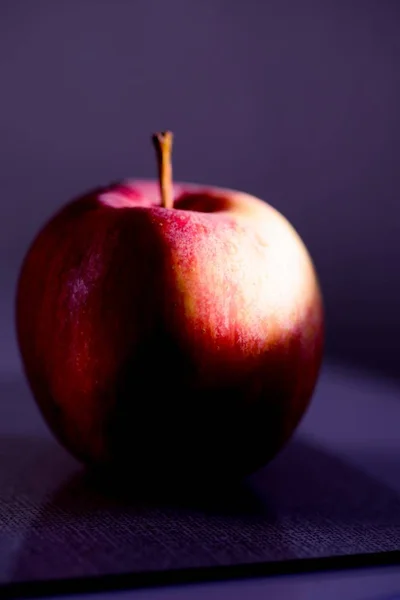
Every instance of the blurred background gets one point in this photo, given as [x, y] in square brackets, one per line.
[295, 101]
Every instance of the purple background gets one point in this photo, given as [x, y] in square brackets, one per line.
[294, 101]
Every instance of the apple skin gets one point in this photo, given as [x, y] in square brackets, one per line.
[164, 342]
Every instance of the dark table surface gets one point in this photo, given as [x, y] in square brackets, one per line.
[334, 491]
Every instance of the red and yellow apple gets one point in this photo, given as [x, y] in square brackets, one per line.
[170, 328]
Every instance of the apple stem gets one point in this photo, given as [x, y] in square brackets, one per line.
[163, 144]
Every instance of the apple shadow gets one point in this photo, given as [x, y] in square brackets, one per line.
[307, 503]
[33, 467]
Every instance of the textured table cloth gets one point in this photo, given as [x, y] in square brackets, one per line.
[334, 490]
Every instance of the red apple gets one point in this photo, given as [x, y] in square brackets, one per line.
[170, 333]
